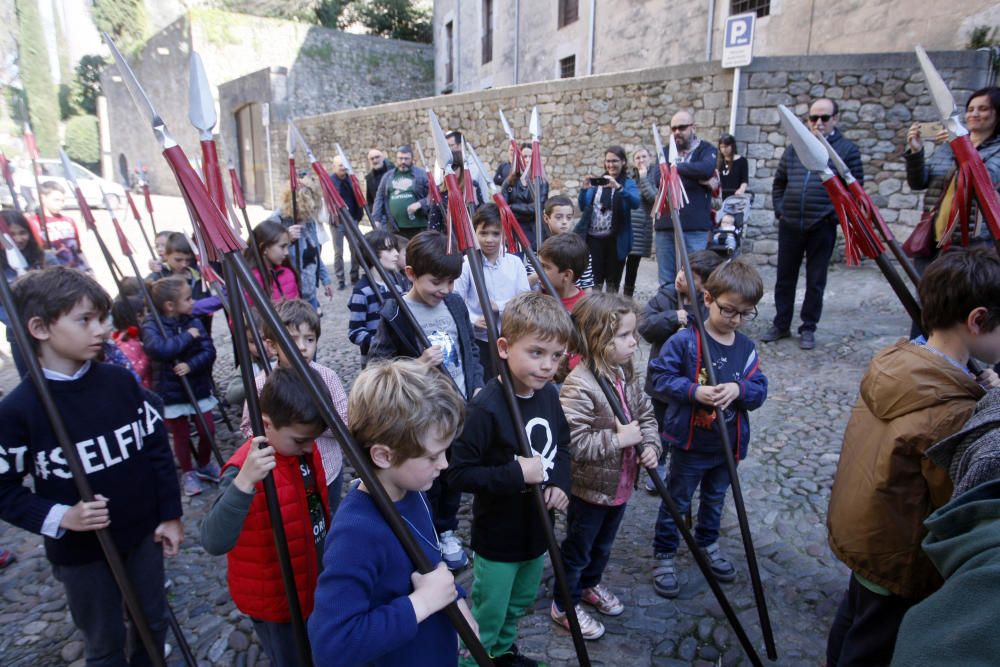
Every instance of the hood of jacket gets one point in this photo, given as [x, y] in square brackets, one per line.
[964, 529]
[899, 381]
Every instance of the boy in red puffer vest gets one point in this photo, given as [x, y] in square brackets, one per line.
[238, 523]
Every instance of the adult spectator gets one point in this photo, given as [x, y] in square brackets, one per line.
[606, 204]
[342, 182]
[734, 171]
[642, 220]
[696, 165]
[401, 203]
[936, 175]
[519, 195]
[807, 226]
[379, 166]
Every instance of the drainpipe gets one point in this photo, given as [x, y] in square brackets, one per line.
[458, 46]
[517, 34]
[709, 30]
[590, 45]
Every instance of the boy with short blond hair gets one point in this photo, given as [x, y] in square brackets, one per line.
[913, 394]
[303, 325]
[239, 525]
[508, 536]
[690, 423]
[118, 431]
[371, 607]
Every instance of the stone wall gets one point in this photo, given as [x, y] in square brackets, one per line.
[325, 70]
[880, 95]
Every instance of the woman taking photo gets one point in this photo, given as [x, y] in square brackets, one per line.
[606, 204]
[937, 175]
[734, 171]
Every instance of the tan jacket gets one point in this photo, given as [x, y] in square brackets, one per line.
[597, 456]
[885, 487]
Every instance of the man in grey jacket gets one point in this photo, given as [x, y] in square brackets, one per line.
[401, 203]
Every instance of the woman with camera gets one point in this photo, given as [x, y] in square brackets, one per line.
[606, 204]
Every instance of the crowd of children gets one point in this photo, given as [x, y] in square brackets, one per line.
[430, 413]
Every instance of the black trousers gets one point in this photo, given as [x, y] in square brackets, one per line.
[816, 245]
[631, 273]
[865, 628]
[606, 265]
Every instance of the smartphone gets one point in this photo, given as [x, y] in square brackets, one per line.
[930, 130]
[598, 180]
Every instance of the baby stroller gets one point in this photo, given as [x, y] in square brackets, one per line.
[730, 219]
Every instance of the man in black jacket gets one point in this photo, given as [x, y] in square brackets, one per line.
[696, 165]
[379, 165]
[807, 225]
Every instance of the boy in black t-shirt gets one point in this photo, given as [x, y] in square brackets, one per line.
[507, 536]
[697, 456]
[119, 435]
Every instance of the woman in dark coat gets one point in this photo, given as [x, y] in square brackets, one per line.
[642, 220]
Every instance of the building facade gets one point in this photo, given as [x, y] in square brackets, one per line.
[483, 44]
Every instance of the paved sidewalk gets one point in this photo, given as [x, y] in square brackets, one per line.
[786, 481]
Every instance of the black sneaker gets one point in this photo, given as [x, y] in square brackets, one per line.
[341, 285]
[513, 658]
[665, 581]
[773, 334]
[807, 340]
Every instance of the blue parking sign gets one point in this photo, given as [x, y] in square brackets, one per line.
[737, 43]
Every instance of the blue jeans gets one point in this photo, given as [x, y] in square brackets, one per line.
[666, 252]
[95, 603]
[688, 470]
[590, 533]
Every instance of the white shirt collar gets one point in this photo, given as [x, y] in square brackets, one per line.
[62, 377]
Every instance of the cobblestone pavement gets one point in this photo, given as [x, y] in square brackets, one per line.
[786, 481]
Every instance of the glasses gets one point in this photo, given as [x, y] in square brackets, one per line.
[825, 117]
[612, 161]
[680, 128]
[730, 313]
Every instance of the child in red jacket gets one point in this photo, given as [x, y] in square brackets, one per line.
[238, 523]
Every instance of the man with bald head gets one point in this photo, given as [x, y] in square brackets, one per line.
[379, 166]
[342, 181]
[807, 227]
[696, 165]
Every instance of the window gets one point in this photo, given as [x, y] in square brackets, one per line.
[567, 67]
[569, 11]
[761, 7]
[487, 31]
[449, 44]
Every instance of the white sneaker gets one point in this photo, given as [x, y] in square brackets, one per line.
[590, 627]
[452, 552]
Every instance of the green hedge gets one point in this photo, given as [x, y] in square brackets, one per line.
[83, 142]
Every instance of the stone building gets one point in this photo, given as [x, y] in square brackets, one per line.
[491, 43]
[255, 66]
[879, 96]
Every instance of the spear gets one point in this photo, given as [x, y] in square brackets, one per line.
[517, 160]
[535, 172]
[88, 218]
[972, 178]
[147, 197]
[432, 189]
[123, 172]
[359, 195]
[8, 178]
[869, 210]
[672, 194]
[201, 113]
[217, 231]
[32, 148]
[463, 231]
[293, 184]
[241, 203]
[153, 648]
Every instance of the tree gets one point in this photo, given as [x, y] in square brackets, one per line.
[39, 89]
[83, 143]
[124, 20]
[398, 19]
[87, 85]
[332, 13]
[292, 10]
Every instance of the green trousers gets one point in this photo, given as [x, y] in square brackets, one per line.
[501, 594]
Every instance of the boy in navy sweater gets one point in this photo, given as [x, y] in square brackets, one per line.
[371, 607]
[697, 458]
[122, 443]
[507, 535]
